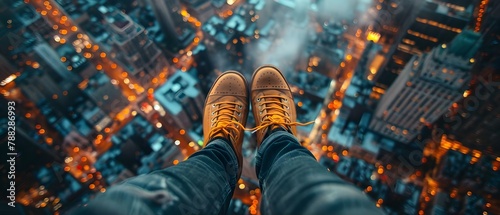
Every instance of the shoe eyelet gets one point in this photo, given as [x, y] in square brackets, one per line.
[240, 106]
[213, 120]
[287, 107]
[239, 114]
[258, 99]
[213, 105]
[213, 113]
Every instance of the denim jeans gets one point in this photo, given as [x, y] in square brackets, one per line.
[292, 182]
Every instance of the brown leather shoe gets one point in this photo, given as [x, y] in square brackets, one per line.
[226, 111]
[272, 102]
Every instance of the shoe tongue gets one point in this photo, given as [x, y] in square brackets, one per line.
[225, 112]
[277, 109]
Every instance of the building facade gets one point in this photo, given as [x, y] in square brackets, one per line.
[142, 59]
[428, 85]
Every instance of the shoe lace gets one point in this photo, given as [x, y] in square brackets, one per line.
[224, 120]
[275, 113]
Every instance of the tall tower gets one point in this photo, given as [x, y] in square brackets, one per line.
[182, 99]
[48, 79]
[430, 23]
[141, 58]
[428, 85]
[167, 13]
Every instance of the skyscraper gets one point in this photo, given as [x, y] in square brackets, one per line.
[182, 99]
[176, 31]
[106, 95]
[134, 50]
[428, 85]
[475, 121]
[20, 28]
[434, 22]
[48, 78]
[201, 9]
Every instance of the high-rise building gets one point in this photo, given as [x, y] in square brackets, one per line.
[75, 62]
[21, 27]
[16, 15]
[182, 99]
[139, 56]
[201, 9]
[175, 30]
[435, 22]
[106, 95]
[475, 120]
[428, 85]
[48, 78]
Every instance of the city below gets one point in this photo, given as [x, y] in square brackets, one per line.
[404, 95]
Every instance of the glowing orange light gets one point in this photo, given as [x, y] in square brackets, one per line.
[380, 171]
[76, 149]
[345, 153]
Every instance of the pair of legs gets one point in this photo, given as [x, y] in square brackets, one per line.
[291, 180]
